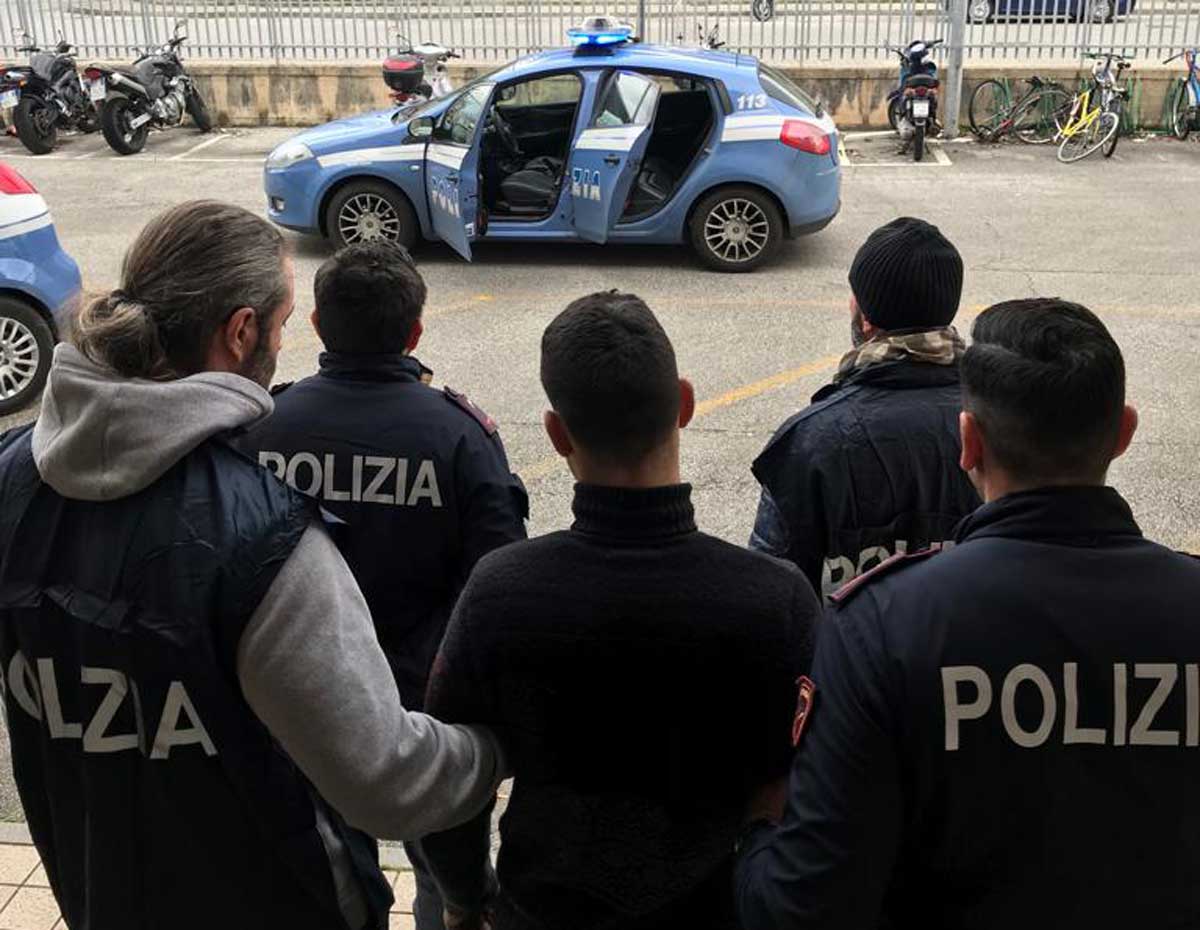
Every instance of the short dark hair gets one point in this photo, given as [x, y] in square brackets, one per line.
[1046, 382]
[609, 371]
[369, 296]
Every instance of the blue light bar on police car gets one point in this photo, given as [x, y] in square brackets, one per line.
[600, 31]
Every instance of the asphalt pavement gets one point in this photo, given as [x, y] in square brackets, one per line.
[1116, 235]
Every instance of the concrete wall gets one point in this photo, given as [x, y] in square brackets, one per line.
[257, 93]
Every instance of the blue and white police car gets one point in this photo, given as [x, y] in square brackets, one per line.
[610, 140]
[39, 283]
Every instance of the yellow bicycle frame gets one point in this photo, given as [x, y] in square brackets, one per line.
[1083, 114]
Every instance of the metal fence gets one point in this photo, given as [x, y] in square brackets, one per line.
[811, 31]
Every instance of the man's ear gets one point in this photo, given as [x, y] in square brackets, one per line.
[240, 334]
[556, 429]
[972, 443]
[414, 336]
[687, 402]
[315, 320]
[1129, 425]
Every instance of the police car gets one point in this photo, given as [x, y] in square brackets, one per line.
[38, 284]
[607, 141]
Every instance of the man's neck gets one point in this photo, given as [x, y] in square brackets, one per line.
[997, 486]
[657, 470]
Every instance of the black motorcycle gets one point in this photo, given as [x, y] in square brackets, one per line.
[154, 93]
[48, 95]
[912, 106]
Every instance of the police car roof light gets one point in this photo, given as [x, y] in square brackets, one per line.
[600, 32]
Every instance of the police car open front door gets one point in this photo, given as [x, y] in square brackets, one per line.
[608, 154]
[452, 169]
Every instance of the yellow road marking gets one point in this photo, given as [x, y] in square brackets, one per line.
[755, 388]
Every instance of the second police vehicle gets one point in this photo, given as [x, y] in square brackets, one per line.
[608, 141]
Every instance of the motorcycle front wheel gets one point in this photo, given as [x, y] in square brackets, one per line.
[115, 121]
[36, 122]
[198, 111]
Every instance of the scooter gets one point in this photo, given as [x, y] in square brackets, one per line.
[912, 106]
[47, 95]
[406, 72]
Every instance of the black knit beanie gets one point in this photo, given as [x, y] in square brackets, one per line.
[907, 275]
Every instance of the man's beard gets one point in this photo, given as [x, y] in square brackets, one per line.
[260, 366]
[857, 336]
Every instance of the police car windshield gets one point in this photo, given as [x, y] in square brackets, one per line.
[781, 87]
[412, 111]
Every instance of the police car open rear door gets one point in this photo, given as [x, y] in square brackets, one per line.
[452, 169]
[608, 154]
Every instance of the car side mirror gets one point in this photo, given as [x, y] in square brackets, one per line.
[421, 127]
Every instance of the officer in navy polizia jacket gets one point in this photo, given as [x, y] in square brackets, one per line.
[1005, 733]
[870, 468]
[199, 711]
[418, 475]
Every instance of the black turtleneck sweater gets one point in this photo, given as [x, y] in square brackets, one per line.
[643, 677]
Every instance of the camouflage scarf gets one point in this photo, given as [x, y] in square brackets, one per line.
[933, 346]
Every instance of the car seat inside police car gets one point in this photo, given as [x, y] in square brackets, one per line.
[527, 144]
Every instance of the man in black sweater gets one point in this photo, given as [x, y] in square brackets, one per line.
[645, 674]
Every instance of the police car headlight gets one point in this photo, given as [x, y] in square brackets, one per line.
[288, 154]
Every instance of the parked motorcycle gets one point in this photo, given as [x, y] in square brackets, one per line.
[417, 75]
[912, 106]
[47, 95]
[154, 93]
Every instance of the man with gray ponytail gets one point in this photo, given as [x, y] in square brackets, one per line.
[201, 717]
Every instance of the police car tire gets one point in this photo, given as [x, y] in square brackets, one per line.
[704, 209]
[31, 320]
[397, 201]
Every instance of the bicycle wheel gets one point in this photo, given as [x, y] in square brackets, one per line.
[989, 108]
[1087, 139]
[1041, 118]
[1110, 144]
[1181, 112]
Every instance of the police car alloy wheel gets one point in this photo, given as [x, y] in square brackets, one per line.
[736, 229]
[26, 347]
[367, 210]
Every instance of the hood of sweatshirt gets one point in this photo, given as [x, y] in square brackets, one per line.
[101, 436]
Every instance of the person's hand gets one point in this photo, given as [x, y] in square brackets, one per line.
[768, 802]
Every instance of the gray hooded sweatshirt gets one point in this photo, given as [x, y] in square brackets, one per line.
[308, 662]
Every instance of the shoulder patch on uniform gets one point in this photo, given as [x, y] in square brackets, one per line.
[463, 403]
[886, 567]
[280, 388]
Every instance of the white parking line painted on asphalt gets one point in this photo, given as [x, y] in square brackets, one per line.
[200, 145]
[95, 151]
[144, 159]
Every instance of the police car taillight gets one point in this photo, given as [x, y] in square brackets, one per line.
[13, 183]
[804, 136]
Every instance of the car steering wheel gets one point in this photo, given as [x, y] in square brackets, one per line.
[507, 137]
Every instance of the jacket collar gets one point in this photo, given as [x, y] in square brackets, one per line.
[1079, 516]
[386, 366]
[898, 375]
[634, 513]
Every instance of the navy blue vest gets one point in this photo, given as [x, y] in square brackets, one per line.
[155, 796]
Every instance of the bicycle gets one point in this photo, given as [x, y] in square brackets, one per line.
[1185, 108]
[1036, 117]
[1095, 118]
